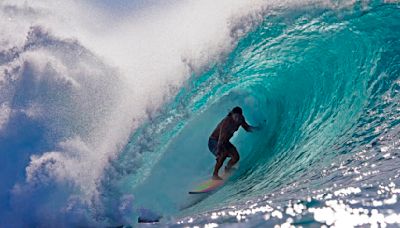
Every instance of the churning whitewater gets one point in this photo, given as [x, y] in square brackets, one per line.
[106, 109]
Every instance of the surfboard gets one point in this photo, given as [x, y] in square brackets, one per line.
[211, 185]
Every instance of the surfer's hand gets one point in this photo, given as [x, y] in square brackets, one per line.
[252, 129]
[259, 127]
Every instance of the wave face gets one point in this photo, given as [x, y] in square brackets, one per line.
[324, 86]
[322, 81]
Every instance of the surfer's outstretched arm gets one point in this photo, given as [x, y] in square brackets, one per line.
[248, 128]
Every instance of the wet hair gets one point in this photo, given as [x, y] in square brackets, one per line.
[237, 110]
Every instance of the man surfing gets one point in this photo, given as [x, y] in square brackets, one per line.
[219, 144]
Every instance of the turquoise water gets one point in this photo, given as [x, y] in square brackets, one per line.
[324, 85]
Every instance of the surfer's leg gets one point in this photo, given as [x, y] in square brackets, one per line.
[212, 146]
[220, 161]
[234, 157]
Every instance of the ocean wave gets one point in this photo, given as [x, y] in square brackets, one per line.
[104, 114]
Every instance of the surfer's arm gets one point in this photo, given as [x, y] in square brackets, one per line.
[248, 128]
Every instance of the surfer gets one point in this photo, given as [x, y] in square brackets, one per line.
[219, 144]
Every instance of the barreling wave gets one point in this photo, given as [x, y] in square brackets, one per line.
[323, 84]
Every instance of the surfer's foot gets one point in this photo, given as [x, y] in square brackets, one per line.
[216, 177]
[228, 169]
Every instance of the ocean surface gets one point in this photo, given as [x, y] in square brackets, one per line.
[102, 123]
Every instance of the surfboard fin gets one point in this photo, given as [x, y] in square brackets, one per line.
[148, 216]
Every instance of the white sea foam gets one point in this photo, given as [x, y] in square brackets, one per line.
[89, 103]
[5, 113]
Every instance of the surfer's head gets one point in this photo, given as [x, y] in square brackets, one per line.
[237, 110]
[236, 113]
